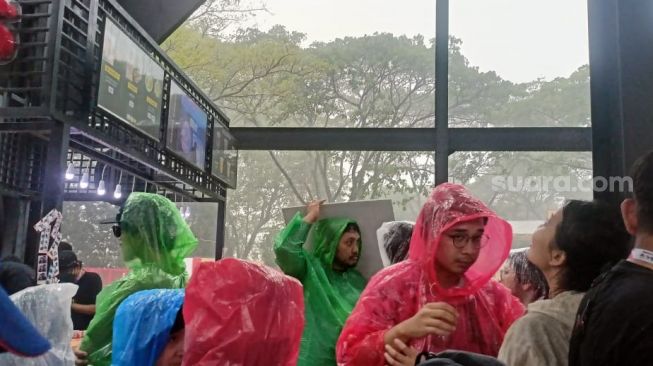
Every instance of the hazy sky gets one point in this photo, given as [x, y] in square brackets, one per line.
[520, 39]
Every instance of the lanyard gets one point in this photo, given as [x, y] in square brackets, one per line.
[642, 255]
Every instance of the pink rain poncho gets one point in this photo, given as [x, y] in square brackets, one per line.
[486, 309]
[239, 313]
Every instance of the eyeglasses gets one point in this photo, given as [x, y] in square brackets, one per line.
[117, 231]
[460, 240]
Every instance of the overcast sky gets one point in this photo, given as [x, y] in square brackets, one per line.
[519, 39]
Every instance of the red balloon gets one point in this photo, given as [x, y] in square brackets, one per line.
[8, 10]
[8, 43]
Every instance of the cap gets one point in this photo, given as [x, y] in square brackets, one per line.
[67, 260]
[17, 334]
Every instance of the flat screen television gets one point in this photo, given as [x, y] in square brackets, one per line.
[187, 123]
[225, 155]
[131, 82]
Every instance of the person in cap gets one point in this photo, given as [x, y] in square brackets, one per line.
[90, 284]
[328, 272]
[64, 245]
[443, 296]
[155, 239]
[47, 307]
[17, 334]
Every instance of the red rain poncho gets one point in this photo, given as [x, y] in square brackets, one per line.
[486, 309]
[239, 313]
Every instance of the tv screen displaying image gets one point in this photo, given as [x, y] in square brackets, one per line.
[186, 127]
[131, 82]
[225, 155]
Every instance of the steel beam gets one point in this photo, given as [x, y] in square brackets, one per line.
[442, 130]
[414, 139]
[621, 82]
[220, 229]
[15, 127]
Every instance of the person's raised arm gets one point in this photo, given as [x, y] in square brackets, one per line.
[289, 244]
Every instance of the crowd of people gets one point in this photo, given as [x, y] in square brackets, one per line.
[451, 293]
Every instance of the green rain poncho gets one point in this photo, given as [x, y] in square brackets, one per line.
[329, 296]
[155, 240]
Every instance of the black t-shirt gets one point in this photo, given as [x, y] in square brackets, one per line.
[615, 321]
[16, 276]
[90, 284]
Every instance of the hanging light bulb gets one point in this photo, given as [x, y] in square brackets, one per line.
[70, 172]
[117, 193]
[101, 189]
[84, 182]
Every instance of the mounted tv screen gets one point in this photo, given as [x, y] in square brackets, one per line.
[225, 155]
[186, 127]
[131, 82]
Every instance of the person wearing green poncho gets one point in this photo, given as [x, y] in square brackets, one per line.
[155, 239]
[332, 285]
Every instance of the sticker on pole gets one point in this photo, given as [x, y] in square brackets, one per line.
[47, 265]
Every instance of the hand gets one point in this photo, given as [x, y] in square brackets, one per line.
[313, 211]
[400, 354]
[81, 357]
[433, 318]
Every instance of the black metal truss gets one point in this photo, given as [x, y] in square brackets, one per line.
[55, 79]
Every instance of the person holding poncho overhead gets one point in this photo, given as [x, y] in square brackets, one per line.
[332, 285]
[155, 239]
[443, 296]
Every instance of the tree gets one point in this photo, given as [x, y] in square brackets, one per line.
[268, 79]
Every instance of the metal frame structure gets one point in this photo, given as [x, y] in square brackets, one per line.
[620, 40]
[621, 86]
[49, 120]
[441, 139]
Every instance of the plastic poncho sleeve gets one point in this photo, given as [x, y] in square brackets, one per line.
[47, 307]
[97, 341]
[142, 327]
[362, 339]
[508, 309]
[288, 247]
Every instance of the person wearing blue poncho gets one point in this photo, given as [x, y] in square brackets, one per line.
[149, 329]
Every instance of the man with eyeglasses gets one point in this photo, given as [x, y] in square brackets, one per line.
[443, 296]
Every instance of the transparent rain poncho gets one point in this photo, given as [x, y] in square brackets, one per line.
[142, 326]
[329, 295]
[486, 309]
[394, 238]
[155, 240]
[239, 313]
[47, 307]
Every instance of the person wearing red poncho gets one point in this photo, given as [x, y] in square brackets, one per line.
[443, 296]
[239, 313]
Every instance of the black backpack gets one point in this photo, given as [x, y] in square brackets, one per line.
[456, 358]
